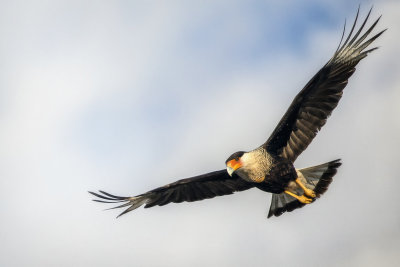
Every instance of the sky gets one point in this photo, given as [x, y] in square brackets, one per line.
[126, 96]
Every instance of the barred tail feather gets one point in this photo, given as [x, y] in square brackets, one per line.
[316, 178]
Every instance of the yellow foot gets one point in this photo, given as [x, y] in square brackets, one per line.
[307, 192]
[303, 199]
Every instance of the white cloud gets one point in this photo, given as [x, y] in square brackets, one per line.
[91, 92]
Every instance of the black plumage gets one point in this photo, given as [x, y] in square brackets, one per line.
[201, 187]
[306, 115]
[289, 204]
[316, 101]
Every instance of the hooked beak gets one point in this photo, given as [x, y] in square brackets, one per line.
[229, 170]
[232, 166]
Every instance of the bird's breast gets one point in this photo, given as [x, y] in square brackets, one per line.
[257, 166]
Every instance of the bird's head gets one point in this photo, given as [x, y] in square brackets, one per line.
[234, 162]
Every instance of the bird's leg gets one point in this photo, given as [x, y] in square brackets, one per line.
[307, 192]
[303, 199]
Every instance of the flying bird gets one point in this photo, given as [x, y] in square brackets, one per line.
[270, 167]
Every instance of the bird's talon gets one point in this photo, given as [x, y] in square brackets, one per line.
[307, 192]
[310, 193]
[305, 200]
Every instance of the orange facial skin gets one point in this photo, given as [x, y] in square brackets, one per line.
[234, 164]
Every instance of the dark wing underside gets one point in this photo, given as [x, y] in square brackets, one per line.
[316, 101]
[201, 187]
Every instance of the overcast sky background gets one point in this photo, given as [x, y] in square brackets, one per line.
[125, 96]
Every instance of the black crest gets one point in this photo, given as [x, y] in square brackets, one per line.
[235, 155]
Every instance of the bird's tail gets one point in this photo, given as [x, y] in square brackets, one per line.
[316, 178]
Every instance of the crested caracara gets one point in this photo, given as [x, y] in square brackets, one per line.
[270, 167]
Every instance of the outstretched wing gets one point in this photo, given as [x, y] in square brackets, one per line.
[315, 103]
[204, 186]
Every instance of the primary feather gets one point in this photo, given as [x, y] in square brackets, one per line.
[316, 101]
[272, 163]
